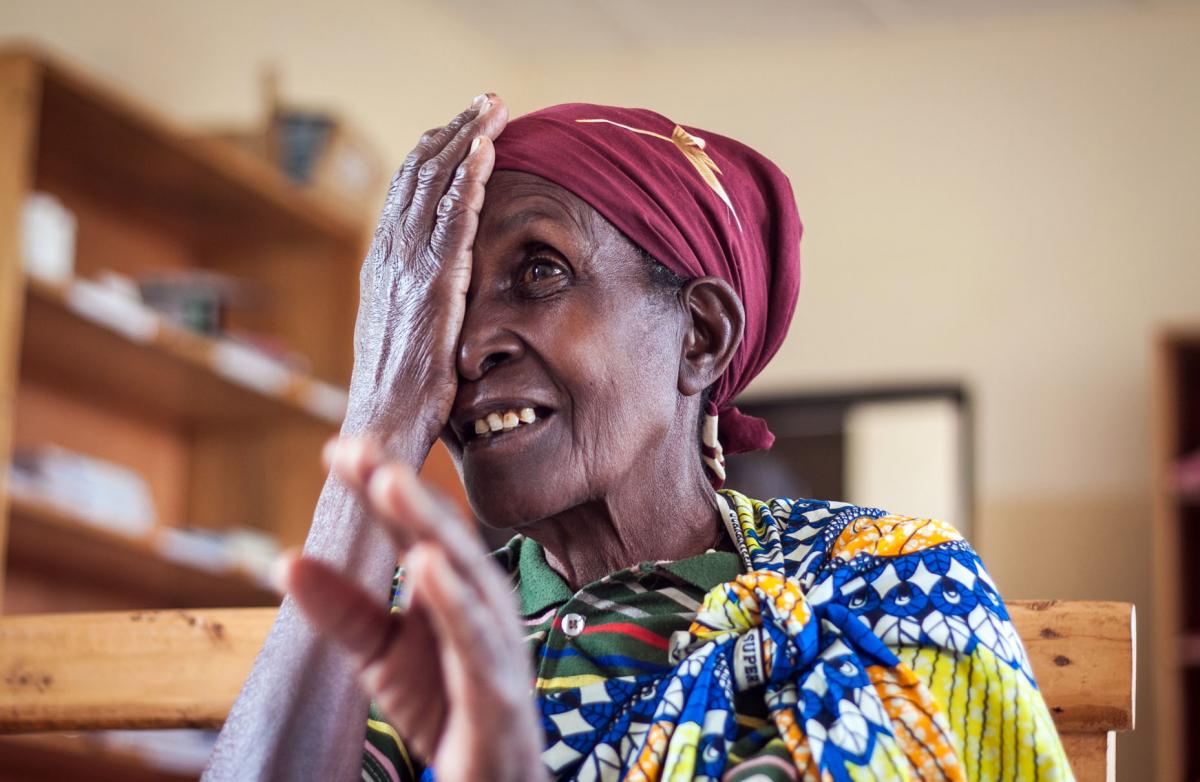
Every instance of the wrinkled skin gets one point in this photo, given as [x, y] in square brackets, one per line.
[561, 317]
[527, 298]
[414, 280]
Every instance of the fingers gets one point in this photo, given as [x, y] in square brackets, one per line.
[432, 141]
[458, 211]
[340, 608]
[383, 647]
[467, 629]
[487, 677]
[412, 515]
[395, 496]
[462, 625]
[352, 459]
[435, 174]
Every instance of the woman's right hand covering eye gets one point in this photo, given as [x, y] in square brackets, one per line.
[414, 280]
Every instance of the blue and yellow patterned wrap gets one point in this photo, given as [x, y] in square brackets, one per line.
[878, 643]
[838, 643]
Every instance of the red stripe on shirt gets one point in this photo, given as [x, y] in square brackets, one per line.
[631, 630]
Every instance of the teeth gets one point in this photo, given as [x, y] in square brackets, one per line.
[504, 421]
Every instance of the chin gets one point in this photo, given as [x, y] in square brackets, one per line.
[500, 504]
[506, 477]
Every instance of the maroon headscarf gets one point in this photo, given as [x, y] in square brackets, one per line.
[699, 203]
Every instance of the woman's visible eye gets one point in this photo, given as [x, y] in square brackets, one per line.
[541, 270]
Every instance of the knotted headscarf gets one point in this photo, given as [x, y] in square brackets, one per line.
[700, 204]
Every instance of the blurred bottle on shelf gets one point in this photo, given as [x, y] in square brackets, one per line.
[197, 299]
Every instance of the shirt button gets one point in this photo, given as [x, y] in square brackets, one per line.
[572, 625]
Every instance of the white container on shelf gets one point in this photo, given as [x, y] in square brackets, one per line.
[48, 238]
[96, 491]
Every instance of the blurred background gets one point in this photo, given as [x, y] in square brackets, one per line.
[999, 320]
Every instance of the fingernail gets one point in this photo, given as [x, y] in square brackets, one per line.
[404, 598]
[277, 575]
[386, 483]
[328, 450]
[354, 459]
[400, 487]
[480, 101]
[475, 144]
[413, 564]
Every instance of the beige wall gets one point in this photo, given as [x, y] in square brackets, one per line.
[1010, 202]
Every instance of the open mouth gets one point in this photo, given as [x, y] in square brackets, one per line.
[504, 424]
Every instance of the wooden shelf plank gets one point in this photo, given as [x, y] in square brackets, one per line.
[163, 370]
[127, 670]
[43, 537]
[132, 153]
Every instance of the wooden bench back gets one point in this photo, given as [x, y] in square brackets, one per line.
[173, 669]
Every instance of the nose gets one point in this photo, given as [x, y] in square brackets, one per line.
[486, 340]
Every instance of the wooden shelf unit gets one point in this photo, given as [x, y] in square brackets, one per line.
[217, 450]
[1176, 536]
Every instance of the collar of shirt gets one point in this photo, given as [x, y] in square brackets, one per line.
[539, 587]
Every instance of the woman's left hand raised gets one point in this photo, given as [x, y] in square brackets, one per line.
[451, 672]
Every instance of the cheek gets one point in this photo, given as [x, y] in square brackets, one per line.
[614, 373]
[622, 383]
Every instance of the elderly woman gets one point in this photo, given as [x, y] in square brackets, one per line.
[576, 339]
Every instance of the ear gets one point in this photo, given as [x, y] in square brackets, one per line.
[713, 331]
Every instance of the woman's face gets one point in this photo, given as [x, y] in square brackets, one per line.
[563, 320]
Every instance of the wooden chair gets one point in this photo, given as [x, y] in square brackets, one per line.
[171, 669]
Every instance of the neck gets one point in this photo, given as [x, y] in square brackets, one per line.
[672, 516]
